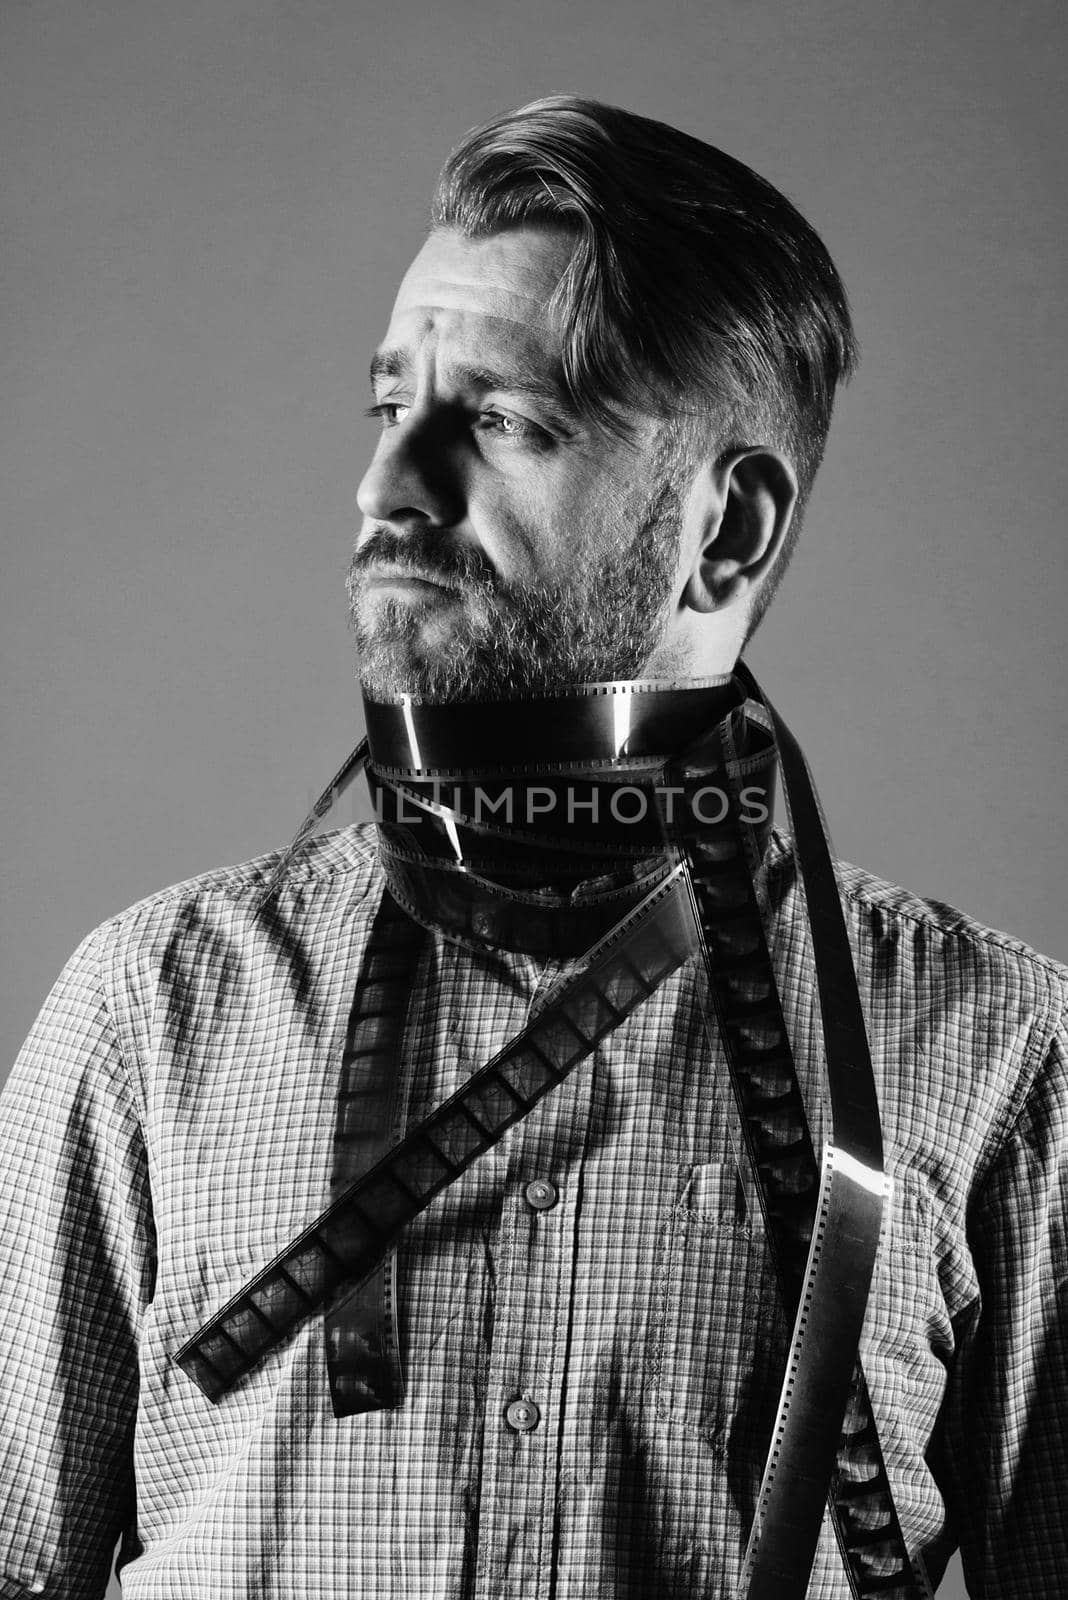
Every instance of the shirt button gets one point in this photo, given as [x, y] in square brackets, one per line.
[522, 1415]
[541, 1195]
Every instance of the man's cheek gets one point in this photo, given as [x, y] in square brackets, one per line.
[519, 532]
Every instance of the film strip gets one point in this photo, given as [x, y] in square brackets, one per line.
[630, 724]
[349, 1239]
[453, 860]
[343, 779]
[867, 1525]
[363, 1354]
[822, 1216]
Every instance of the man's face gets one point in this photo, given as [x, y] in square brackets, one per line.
[508, 547]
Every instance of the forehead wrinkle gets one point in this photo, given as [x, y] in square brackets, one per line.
[495, 300]
[437, 290]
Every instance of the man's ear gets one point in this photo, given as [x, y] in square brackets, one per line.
[745, 503]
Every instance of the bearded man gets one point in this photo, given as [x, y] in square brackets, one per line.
[507, 1198]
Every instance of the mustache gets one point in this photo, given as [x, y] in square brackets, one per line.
[427, 552]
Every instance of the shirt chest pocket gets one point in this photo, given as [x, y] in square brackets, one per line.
[717, 1334]
[908, 1338]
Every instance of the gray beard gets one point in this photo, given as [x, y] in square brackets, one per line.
[525, 644]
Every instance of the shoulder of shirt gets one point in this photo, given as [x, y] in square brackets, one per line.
[880, 902]
[344, 859]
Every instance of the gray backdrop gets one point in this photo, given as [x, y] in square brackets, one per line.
[207, 206]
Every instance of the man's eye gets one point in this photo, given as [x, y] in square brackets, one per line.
[508, 426]
[501, 424]
[387, 412]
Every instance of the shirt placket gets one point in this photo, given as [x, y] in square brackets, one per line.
[527, 1382]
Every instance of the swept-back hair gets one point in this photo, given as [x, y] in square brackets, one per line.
[695, 290]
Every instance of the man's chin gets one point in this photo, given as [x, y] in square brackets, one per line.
[426, 660]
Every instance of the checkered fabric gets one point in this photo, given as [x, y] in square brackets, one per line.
[588, 1319]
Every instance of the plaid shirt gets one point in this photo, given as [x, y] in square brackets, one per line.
[169, 1128]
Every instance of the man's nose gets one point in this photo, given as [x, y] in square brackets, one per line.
[412, 479]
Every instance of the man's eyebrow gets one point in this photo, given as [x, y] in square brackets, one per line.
[388, 364]
[519, 380]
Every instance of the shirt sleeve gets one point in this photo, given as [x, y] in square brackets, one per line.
[76, 1261]
[1005, 1439]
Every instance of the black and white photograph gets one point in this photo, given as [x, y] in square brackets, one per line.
[534, 931]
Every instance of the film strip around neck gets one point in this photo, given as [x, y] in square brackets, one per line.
[610, 724]
[822, 1215]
